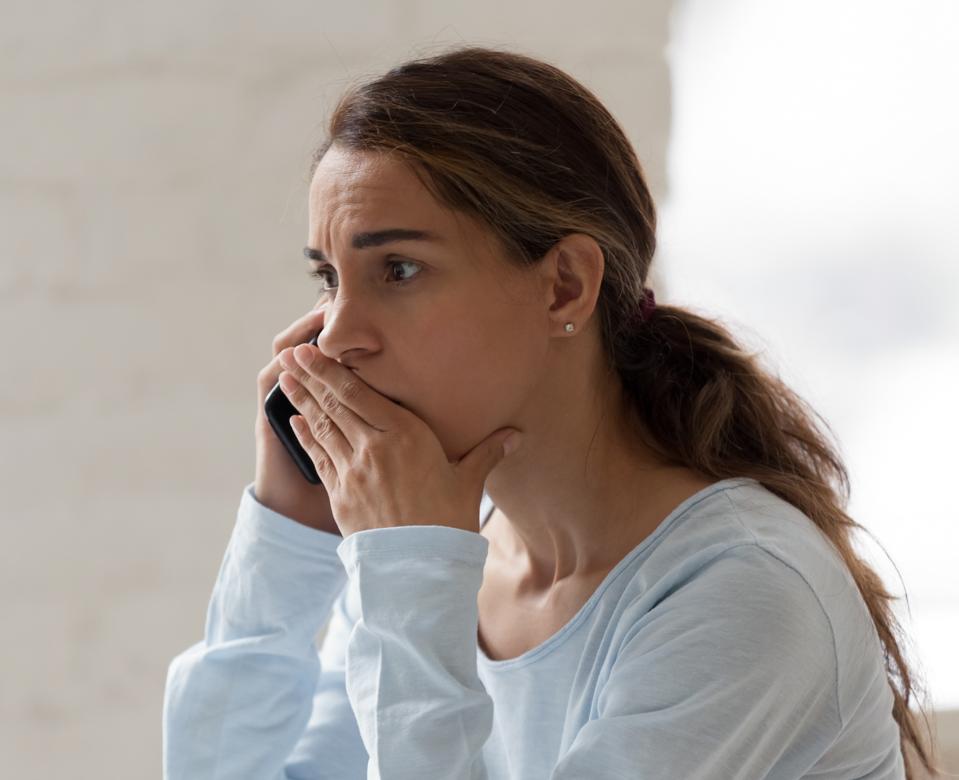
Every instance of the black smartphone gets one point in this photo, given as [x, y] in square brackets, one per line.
[279, 410]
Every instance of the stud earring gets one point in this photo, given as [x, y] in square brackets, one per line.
[570, 327]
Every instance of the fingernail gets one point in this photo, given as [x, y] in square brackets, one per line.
[303, 355]
[287, 382]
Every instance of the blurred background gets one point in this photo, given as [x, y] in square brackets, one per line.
[153, 180]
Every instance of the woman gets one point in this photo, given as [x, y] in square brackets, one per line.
[661, 582]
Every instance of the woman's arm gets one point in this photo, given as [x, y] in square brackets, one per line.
[411, 667]
[253, 698]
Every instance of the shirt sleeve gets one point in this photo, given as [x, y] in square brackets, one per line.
[732, 673]
[411, 670]
[237, 703]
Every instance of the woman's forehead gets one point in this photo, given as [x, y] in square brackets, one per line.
[367, 186]
[375, 171]
[364, 192]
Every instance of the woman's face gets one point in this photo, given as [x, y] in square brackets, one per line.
[463, 341]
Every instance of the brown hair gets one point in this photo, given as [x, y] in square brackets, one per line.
[535, 156]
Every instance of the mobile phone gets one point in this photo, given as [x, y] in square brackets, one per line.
[279, 410]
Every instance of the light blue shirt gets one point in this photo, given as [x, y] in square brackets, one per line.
[731, 643]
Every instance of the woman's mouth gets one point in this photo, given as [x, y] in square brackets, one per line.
[398, 403]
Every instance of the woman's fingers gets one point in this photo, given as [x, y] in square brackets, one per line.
[298, 332]
[324, 415]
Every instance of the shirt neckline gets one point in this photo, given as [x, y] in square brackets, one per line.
[562, 634]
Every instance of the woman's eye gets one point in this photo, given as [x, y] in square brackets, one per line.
[393, 263]
[325, 272]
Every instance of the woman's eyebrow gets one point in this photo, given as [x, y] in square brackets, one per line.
[377, 238]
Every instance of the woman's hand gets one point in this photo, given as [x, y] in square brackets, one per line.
[278, 483]
[381, 464]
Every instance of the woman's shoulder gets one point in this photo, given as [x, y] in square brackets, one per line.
[746, 549]
[738, 519]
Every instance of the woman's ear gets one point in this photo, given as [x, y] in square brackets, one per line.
[573, 270]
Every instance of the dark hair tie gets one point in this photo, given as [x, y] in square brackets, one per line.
[646, 307]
